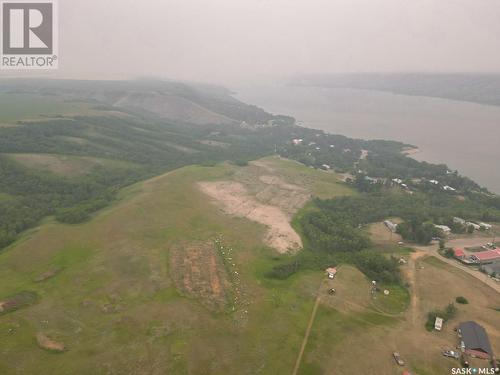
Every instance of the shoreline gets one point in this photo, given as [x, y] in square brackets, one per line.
[411, 151]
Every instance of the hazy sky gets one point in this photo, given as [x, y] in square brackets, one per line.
[232, 40]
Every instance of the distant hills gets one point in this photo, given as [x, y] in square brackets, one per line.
[475, 88]
[176, 101]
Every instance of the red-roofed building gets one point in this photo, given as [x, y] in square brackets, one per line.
[486, 257]
[459, 254]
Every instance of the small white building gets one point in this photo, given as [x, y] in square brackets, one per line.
[438, 324]
[392, 226]
[445, 229]
[397, 180]
[473, 225]
[458, 220]
[331, 272]
[485, 226]
[297, 142]
[434, 182]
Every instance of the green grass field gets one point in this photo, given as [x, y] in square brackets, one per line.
[15, 107]
[113, 304]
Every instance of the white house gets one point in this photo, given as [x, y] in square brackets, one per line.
[434, 182]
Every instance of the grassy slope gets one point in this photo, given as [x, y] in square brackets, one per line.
[121, 258]
[68, 165]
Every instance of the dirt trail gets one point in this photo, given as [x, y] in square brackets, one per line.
[411, 276]
[308, 330]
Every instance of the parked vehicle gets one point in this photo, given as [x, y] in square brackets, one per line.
[451, 354]
[398, 359]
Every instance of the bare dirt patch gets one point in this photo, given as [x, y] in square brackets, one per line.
[381, 235]
[18, 301]
[46, 275]
[236, 200]
[197, 271]
[47, 343]
[270, 191]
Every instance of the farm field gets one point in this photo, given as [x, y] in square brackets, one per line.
[25, 107]
[67, 165]
[167, 280]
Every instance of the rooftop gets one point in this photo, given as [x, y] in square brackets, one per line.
[487, 255]
[475, 338]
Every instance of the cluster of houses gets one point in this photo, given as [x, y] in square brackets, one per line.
[488, 260]
[445, 187]
[476, 226]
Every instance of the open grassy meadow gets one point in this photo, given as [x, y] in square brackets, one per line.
[107, 289]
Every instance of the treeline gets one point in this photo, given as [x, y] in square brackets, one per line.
[334, 226]
[333, 232]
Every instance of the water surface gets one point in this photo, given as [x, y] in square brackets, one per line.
[466, 136]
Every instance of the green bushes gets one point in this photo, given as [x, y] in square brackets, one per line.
[284, 271]
[448, 313]
[461, 300]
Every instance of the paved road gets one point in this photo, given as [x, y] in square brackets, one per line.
[461, 243]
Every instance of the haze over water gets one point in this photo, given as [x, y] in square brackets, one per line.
[465, 136]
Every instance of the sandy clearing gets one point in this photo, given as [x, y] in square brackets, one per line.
[235, 200]
[48, 344]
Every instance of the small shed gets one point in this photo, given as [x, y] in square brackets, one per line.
[459, 254]
[331, 272]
